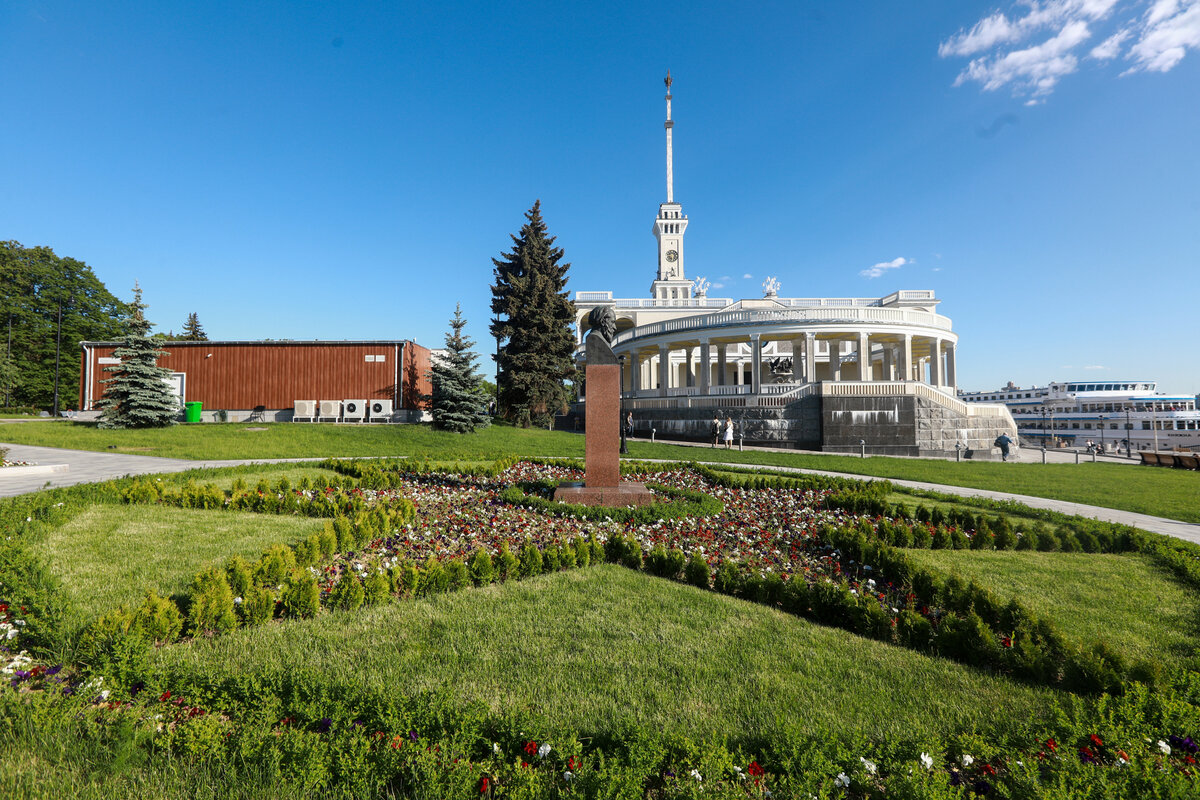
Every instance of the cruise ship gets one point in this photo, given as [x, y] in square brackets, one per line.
[1114, 415]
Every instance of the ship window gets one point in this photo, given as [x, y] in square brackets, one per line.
[1112, 426]
[1087, 426]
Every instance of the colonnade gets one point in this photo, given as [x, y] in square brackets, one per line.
[816, 356]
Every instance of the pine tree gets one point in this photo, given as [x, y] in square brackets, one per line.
[533, 324]
[192, 332]
[459, 400]
[138, 395]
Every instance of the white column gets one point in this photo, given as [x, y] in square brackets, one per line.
[705, 366]
[810, 358]
[835, 359]
[864, 356]
[889, 364]
[935, 363]
[756, 363]
[689, 368]
[906, 360]
[664, 370]
[721, 368]
[635, 371]
[951, 367]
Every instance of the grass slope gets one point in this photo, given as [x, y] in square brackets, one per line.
[594, 648]
[1123, 600]
[112, 555]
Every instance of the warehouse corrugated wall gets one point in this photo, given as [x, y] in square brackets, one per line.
[243, 375]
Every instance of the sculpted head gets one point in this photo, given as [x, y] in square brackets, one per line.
[603, 321]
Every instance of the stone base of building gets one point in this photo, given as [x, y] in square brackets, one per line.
[627, 493]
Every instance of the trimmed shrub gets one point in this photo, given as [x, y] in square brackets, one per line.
[696, 572]
[301, 595]
[348, 594]
[345, 535]
[257, 606]
[276, 563]
[914, 631]
[158, 618]
[377, 588]
[457, 576]
[327, 542]
[237, 572]
[550, 559]
[506, 564]
[434, 579]
[583, 552]
[481, 568]
[530, 560]
[728, 579]
[211, 607]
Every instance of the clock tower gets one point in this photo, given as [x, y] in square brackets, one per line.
[669, 226]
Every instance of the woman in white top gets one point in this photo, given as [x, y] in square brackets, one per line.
[728, 432]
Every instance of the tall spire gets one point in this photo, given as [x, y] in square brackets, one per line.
[669, 124]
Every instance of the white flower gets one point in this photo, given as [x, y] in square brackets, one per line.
[842, 780]
[104, 695]
[543, 751]
[696, 774]
[967, 759]
[1166, 748]
[495, 748]
[568, 776]
[926, 761]
[237, 601]
[869, 766]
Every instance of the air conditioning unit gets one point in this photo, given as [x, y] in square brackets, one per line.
[354, 410]
[381, 410]
[304, 410]
[331, 410]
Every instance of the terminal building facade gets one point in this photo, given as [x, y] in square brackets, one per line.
[842, 374]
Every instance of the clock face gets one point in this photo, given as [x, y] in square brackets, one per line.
[672, 256]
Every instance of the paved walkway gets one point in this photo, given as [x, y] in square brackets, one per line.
[87, 467]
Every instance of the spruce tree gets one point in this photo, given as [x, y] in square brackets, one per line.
[192, 332]
[533, 325]
[459, 401]
[138, 395]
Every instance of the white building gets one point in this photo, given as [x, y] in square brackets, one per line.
[685, 351]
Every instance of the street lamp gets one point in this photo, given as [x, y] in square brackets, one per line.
[1128, 434]
[1101, 433]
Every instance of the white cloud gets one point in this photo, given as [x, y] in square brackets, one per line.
[936, 269]
[724, 278]
[718, 285]
[1171, 27]
[1095, 366]
[748, 276]
[1004, 51]
[882, 267]
[1110, 48]
[1035, 69]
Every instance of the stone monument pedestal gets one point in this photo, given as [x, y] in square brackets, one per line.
[602, 439]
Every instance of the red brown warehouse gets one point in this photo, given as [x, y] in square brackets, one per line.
[271, 380]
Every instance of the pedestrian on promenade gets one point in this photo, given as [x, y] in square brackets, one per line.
[728, 433]
[715, 429]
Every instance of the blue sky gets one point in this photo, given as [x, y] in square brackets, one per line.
[348, 170]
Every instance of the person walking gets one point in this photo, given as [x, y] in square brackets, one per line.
[1003, 441]
[728, 433]
[629, 425]
[715, 429]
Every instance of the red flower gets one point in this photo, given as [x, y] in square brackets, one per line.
[755, 770]
[531, 747]
[1096, 740]
[988, 769]
[571, 762]
[1006, 641]
[1051, 744]
[164, 697]
[484, 785]
[397, 742]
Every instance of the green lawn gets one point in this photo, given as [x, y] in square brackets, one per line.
[1123, 600]
[595, 648]
[1148, 490]
[112, 555]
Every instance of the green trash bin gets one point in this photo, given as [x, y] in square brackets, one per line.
[191, 411]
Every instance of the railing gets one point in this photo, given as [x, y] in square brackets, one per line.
[911, 388]
[894, 316]
[775, 395]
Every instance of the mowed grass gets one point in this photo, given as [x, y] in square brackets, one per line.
[1148, 490]
[1123, 600]
[112, 555]
[595, 648]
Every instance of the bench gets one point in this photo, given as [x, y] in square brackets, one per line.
[1148, 457]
